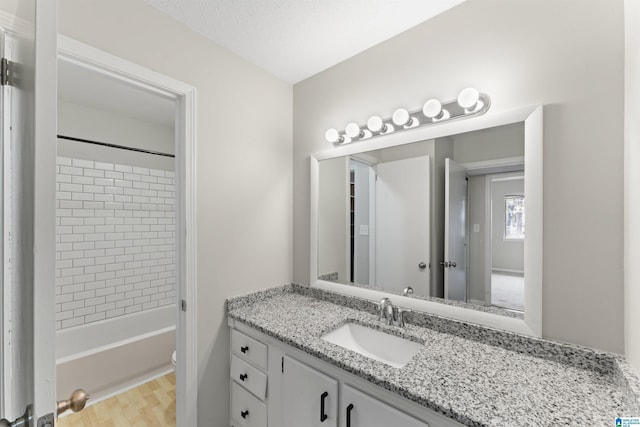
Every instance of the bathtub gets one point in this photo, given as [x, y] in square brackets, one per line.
[108, 357]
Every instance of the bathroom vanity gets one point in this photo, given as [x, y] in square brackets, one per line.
[288, 369]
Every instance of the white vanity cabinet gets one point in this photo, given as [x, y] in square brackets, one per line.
[361, 410]
[248, 381]
[285, 387]
[309, 397]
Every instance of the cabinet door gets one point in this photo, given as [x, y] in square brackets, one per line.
[361, 410]
[309, 398]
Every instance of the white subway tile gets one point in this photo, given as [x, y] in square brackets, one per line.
[169, 174]
[92, 205]
[114, 297]
[131, 206]
[64, 186]
[81, 163]
[154, 186]
[114, 221]
[166, 181]
[71, 289]
[63, 161]
[105, 244]
[70, 170]
[106, 182]
[123, 214]
[131, 177]
[63, 195]
[117, 283]
[133, 309]
[94, 173]
[63, 315]
[103, 197]
[94, 317]
[148, 193]
[113, 190]
[83, 212]
[82, 180]
[83, 262]
[72, 305]
[141, 171]
[94, 237]
[85, 278]
[115, 252]
[107, 306]
[99, 284]
[123, 199]
[113, 205]
[113, 175]
[141, 185]
[94, 269]
[124, 168]
[115, 266]
[105, 276]
[153, 179]
[93, 189]
[104, 166]
[94, 301]
[132, 191]
[156, 172]
[105, 260]
[63, 178]
[122, 183]
[83, 295]
[91, 253]
[82, 196]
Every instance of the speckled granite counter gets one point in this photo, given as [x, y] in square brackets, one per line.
[475, 375]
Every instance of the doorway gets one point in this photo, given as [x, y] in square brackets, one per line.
[135, 269]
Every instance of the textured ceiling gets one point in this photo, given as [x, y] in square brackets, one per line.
[295, 39]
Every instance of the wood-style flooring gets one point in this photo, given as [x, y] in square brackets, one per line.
[152, 404]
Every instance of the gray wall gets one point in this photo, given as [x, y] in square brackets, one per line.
[476, 268]
[632, 182]
[567, 55]
[243, 172]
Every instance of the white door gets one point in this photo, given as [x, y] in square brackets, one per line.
[310, 398]
[28, 213]
[402, 224]
[360, 410]
[455, 231]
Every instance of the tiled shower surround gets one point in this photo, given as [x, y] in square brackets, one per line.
[115, 240]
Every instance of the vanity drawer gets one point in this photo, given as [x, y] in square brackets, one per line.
[246, 409]
[249, 349]
[249, 377]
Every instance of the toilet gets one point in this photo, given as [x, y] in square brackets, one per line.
[173, 358]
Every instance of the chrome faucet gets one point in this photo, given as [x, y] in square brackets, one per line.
[385, 310]
[407, 291]
[389, 314]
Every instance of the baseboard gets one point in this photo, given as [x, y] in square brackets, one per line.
[477, 302]
[507, 271]
[126, 386]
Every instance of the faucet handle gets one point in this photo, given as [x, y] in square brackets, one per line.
[400, 316]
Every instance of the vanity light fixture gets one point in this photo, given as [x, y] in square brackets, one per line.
[353, 131]
[332, 135]
[469, 103]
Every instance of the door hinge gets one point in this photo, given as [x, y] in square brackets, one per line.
[6, 72]
[283, 365]
[46, 420]
[183, 305]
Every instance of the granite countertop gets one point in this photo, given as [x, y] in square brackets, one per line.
[474, 375]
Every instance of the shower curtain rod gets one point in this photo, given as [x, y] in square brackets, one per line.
[106, 144]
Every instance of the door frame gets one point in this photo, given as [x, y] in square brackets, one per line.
[143, 78]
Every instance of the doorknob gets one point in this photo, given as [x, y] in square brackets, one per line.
[22, 421]
[422, 266]
[76, 402]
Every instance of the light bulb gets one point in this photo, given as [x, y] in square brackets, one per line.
[401, 117]
[432, 109]
[375, 124]
[353, 130]
[468, 98]
[333, 136]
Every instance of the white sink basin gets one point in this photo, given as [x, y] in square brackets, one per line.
[375, 344]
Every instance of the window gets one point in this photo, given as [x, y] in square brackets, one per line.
[514, 217]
